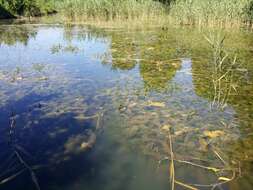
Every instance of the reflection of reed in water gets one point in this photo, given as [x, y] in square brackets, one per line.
[10, 35]
[223, 67]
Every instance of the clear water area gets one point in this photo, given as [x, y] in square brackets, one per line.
[86, 108]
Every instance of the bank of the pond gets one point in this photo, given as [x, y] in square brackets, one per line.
[214, 13]
[221, 13]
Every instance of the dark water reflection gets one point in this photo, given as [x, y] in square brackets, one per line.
[92, 109]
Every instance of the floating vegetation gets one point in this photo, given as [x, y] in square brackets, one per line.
[156, 104]
[16, 75]
[56, 48]
[39, 67]
[69, 48]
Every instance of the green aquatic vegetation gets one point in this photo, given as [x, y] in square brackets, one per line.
[39, 67]
[157, 75]
[56, 48]
[70, 109]
[16, 75]
[157, 68]
[105, 58]
[123, 53]
[225, 66]
[145, 132]
[223, 79]
[68, 48]
[71, 49]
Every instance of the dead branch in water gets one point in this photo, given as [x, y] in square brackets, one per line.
[172, 167]
[16, 154]
[221, 180]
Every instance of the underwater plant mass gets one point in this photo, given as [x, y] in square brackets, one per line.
[113, 108]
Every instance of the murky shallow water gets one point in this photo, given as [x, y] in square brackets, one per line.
[87, 108]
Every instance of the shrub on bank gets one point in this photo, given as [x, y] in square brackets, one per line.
[28, 7]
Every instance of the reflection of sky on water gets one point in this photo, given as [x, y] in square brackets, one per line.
[37, 49]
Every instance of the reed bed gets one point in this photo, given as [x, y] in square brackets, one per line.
[214, 13]
[221, 13]
[111, 9]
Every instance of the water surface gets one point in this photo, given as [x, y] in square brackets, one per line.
[89, 108]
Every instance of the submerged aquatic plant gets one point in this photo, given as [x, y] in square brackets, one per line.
[218, 171]
[68, 48]
[16, 75]
[56, 48]
[223, 66]
[39, 67]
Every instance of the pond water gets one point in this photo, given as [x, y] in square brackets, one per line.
[142, 108]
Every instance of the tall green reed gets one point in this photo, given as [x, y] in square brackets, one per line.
[110, 9]
[222, 13]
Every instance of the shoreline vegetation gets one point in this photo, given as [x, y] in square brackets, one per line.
[26, 8]
[213, 13]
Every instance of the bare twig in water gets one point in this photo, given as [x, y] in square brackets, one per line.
[16, 148]
[99, 117]
[33, 176]
[221, 180]
[172, 167]
[12, 177]
[185, 185]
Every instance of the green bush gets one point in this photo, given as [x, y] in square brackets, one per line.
[5, 14]
[28, 7]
